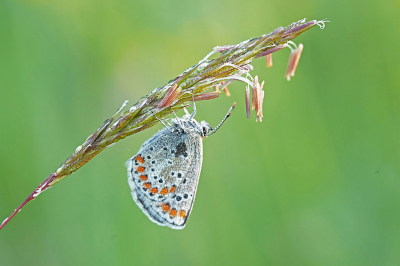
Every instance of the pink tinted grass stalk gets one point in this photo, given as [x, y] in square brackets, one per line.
[296, 59]
[223, 48]
[42, 187]
[247, 97]
[224, 87]
[171, 95]
[302, 27]
[268, 60]
[227, 92]
[258, 98]
[207, 96]
[290, 66]
[270, 51]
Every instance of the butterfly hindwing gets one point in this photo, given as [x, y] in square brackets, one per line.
[164, 175]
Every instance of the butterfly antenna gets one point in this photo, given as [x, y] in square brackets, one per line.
[223, 120]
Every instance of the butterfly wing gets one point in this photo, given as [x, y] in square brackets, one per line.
[164, 175]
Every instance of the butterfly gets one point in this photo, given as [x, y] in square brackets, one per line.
[164, 174]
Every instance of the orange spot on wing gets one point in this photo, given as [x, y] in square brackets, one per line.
[173, 188]
[165, 207]
[141, 169]
[154, 190]
[139, 158]
[164, 191]
[182, 214]
[143, 177]
[147, 185]
[173, 212]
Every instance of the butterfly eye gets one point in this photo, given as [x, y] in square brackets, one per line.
[204, 131]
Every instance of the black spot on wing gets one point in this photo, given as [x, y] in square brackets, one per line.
[181, 149]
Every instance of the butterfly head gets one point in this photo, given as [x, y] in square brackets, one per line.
[205, 129]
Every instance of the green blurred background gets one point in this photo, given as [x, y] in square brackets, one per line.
[316, 183]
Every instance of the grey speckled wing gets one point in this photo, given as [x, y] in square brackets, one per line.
[164, 174]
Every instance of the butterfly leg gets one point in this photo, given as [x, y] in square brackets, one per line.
[162, 122]
[177, 118]
[186, 111]
[194, 107]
